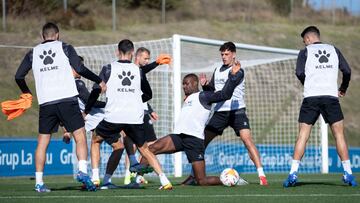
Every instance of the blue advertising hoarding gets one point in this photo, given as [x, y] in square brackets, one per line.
[17, 157]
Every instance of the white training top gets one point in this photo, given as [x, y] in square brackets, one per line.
[321, 71]
[237, 100]
[145, 105]
[53, 75]
[124, 103]
[192, 118]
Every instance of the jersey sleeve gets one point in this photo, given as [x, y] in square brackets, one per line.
[346, 71]
[149, 67]
[22, 71]
[145, 88]
[300, 65]
[77, 64]
[208, 97]
[83, 91]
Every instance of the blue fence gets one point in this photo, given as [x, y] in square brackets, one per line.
[17, 158]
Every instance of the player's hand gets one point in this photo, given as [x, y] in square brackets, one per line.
[236, 67]
[67, 137]
[341, 94]
[154, 116]
[163, 59]
[103, 86]
[202, 79]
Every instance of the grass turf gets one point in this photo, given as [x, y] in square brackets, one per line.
[311, 188]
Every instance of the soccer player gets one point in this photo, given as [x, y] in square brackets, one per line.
[142, 57]
[317, 69]
[94, 113]
[231, 112]
[124, 107]
[189, 129]
[51, 62]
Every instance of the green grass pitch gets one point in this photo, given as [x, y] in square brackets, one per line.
[312, 188]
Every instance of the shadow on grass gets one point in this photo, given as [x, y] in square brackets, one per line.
[319, 183]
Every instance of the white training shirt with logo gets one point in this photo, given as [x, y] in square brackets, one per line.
[124, 103]
[192, 118]
[321, 71]
[53, 75]
[237, 100]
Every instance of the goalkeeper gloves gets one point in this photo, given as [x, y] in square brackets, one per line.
[163, 59]
[15, 108]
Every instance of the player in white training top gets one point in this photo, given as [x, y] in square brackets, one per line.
[189, 127]
[317, 69]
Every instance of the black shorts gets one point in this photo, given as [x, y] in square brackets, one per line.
[110, 132]
[192, 146]
[67, 113]
[327, 106]
[236, 119]
[149, 128]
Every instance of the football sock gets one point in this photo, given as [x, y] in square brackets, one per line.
[260, 171]
[133, 159]
[347, 166]
[83, 166]
[107, 178]
[163, 179]
[95, 174]
[294, 166]
[39, 178]
[127, 172]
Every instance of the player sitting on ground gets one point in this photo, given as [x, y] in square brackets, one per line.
[189, 129]
[231, 112]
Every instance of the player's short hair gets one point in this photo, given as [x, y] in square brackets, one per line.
[309, 29]
[193, 77]
[228, 46]
[141, 50]
[49, 29]
[125, 46]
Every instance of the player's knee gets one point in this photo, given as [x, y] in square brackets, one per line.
[201, 181]
[153, 148]
[117, 146]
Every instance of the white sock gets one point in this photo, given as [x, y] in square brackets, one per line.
[163, 179]
[83, 166]
[95, 174]
[107, 178]
[39, 178]
[260, 171]
[294, 166]
[127, 173]
[347, 166]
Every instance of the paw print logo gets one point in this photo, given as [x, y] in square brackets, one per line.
[47, 57]
[323, 56]
[126, 78]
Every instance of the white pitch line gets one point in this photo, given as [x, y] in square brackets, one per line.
[180, 196]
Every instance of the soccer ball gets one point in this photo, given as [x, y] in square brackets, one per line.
[229, 177]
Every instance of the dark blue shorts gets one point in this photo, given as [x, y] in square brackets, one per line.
[327, 106]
